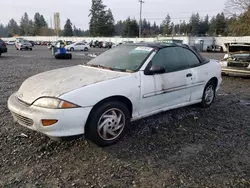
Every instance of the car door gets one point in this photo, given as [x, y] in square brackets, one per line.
[170, 89]
[81, 46]
[200, 73]
[77, 46]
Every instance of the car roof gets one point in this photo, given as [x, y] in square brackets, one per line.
[157, 45]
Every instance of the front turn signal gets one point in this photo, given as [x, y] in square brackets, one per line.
[49, 122]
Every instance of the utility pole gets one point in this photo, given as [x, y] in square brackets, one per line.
[140, 27]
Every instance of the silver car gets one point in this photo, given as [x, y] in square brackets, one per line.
[237, 61]
[22, 44]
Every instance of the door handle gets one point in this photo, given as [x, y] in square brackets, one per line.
[189, 75]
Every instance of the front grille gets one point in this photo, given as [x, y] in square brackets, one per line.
[237, 64]
[22, 120]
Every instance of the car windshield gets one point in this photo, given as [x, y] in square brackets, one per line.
[123, 58]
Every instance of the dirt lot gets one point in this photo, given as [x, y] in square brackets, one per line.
[188, 147]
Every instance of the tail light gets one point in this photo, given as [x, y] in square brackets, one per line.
[4, 44]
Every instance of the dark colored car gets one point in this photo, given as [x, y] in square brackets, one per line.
[96, 44]
[215, 48]
[69, 42]
[32, 43]
[3, 47]
[107, 44]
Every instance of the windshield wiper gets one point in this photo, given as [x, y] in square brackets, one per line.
[109, 68]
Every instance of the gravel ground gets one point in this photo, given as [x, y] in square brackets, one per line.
[188, 147]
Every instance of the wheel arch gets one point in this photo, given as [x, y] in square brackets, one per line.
[118, 98]
[214, 80]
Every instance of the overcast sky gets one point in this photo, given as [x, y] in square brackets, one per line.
[78, 10]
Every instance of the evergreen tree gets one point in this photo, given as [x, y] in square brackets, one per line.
[109, 29]
[194, 24]
[220, 24]
[43, 22]
[68, 31]
[97, 13]
[119, 28]
[24, 25]
[204, 26]
[131, 28]
[3, 31]
[101, 21]
[13, 28]
[166, 26]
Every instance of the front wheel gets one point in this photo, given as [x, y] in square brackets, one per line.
[208, 95]
[107, 123]
[71, 49]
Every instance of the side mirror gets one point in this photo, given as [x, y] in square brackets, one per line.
[157, 69]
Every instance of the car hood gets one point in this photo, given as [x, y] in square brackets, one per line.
[57, 82]
[239, 49]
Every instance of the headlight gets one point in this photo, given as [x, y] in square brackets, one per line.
[54, 103]
[226, 56]
[223, 63]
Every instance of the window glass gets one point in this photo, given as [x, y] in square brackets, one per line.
[191, 58]
[172, 58]
[124, 57]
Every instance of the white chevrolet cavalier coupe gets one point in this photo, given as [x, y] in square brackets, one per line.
[123, 84]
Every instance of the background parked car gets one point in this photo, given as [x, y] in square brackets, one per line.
[69, 42]
[215, 48]
[237, 60]
[38, 43]
[96, 44]
[12, 42]
[78, 46]
[52, 44]
[23, 45]
[107, 44]
[32, 43]
[3, 48]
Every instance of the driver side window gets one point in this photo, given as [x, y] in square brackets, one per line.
[171, 58]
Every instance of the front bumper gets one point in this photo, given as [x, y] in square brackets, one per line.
[71, 122]
[236, 71]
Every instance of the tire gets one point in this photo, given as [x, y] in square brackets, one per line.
[71, 49]
[96, 117]
[208, 94]
[0, 53]
[86, 49]
[30, 49]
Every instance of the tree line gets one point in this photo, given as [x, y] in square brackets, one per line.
[102, 24]
[37, 27]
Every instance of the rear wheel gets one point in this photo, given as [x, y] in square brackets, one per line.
[0, 53]
[208, 94]
[86, 49]
[107, 123]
